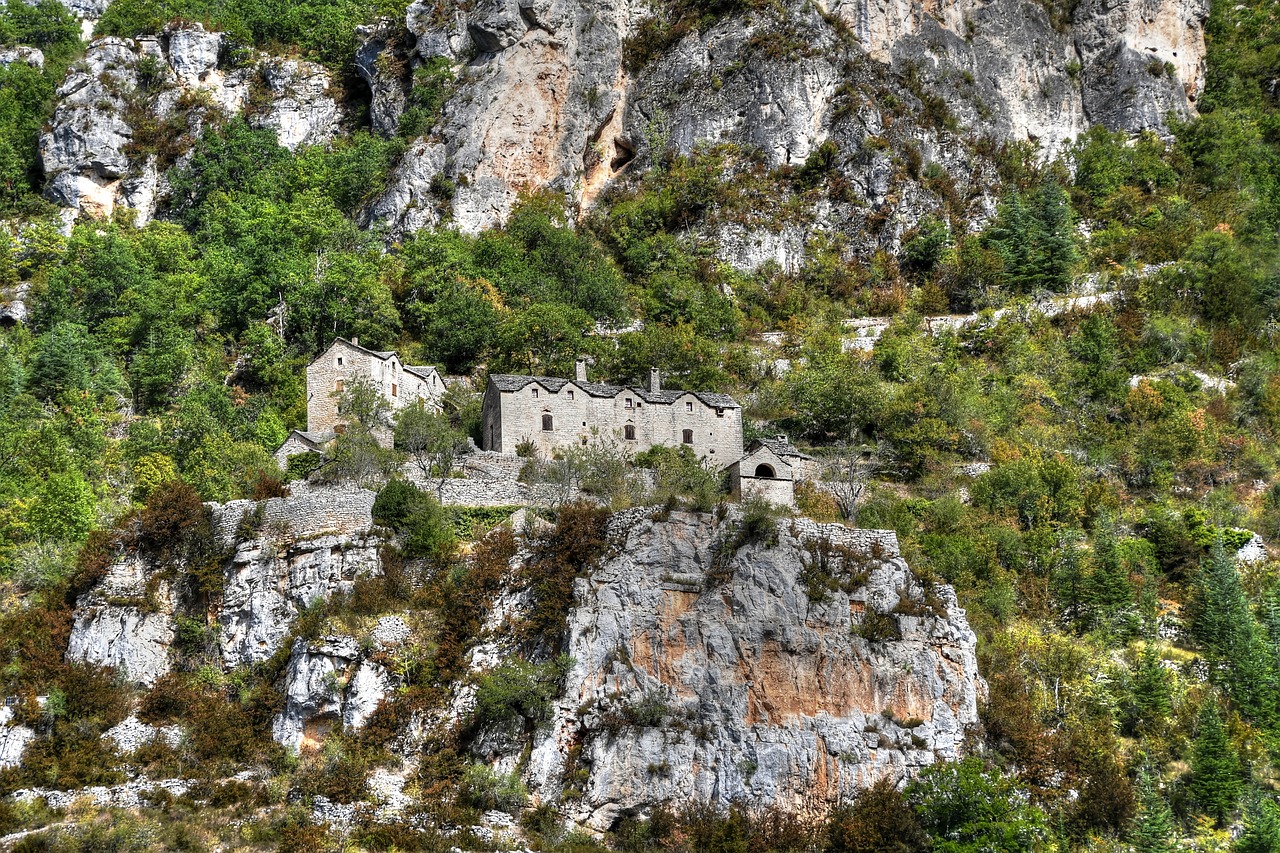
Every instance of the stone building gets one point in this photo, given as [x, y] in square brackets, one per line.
[344, 363]
[769, 470]
[552, 414]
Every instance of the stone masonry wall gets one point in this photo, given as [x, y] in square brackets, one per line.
[515, 416]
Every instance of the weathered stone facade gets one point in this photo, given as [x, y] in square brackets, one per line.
[554, 414]
[345, 362]
[763, 474]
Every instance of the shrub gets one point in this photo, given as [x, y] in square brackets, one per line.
[574, 547]
[418, 517]
[487, 790]
[518, 690]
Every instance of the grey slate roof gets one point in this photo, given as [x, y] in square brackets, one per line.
[509, 382]
[781, 449]
[423, 370]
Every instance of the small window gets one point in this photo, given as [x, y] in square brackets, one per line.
[535, 393]
[338, 386]
[687, 436]
[765, 472]
[547, 425]
[628, 403]
[584, 441]
[629, 432]
[719, 413]
[688, 407]
[339, 361]
[395, 390]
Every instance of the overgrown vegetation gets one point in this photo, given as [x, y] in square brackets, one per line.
[1130, 443]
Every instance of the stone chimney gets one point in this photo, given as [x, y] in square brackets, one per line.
[355, 341]
[580, 370]
[655, 380]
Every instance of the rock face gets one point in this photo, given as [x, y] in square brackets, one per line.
[124, 624]
[746, 689]
[547, 101]
[132, 108]
[328, 682]
[286, 553]
[13, 739]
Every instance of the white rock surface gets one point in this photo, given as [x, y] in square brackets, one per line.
[784, 703]
[13, 739]
[132, 734]
[86, 149]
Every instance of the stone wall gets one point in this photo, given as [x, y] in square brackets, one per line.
[576, 417]
[310, 510]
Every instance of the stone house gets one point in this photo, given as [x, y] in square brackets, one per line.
[770, 469]
[553, 414]
[344, 363]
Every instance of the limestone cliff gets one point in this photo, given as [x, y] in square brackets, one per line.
[715, 676]
[132, 108]
[546, 99]
[789, 667]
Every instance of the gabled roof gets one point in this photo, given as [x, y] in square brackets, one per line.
[508, 382]
[423, 370]
[781, 449]
[314, 440]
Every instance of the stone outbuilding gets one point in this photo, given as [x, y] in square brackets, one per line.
[553, 414]
[770, 470]
[302, 441]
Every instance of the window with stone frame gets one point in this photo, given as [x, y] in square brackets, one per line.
[547, 423]
[687, 436]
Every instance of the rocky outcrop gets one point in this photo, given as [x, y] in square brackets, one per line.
[703, 673]
[32, 56]
[548, 103]
[126, 622]
[285, 554]
[528, 113]
[131, 108]
[382, 64]
[328, 682]
[131, 734]
[13, 739]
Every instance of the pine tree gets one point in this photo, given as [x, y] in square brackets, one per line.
[1215, 767]
[1014, 236]
[1240, 660]
[1261, 826]
[1055, 244]
[1153, 825]
[1109, 589]
[1151, 696]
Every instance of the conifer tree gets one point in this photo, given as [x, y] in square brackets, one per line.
[1153, 825]
[1215, 767]
[1109, 590]
[1261, 826]
[1151, 699]
[1055, 245]
[1241, 663]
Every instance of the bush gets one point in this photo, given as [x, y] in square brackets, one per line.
[418, 517]
[518, 690]
[487, 790]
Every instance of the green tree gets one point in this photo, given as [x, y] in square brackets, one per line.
[966, 808]
[1153, 826]
[64, 507]
[1150, 696]
[1261, 826]
[1221, 621]
[430, 440]
[1216, 775]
